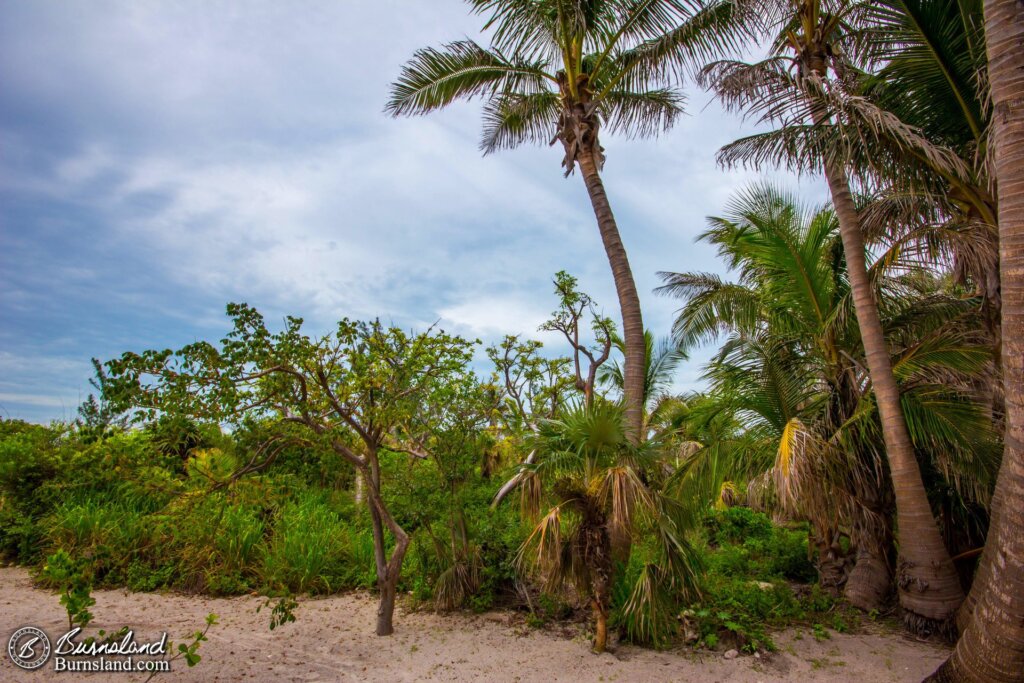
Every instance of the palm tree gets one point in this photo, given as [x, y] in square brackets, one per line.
[556, 70]
[818, 39]
[662, 359]
[793, 368]
[992, 646]
[932, 79]
[596, 486]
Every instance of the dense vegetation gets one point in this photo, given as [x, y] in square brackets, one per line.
[859, 440]
[151, 510]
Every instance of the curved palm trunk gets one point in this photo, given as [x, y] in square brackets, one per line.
[929, 588]
[629, 300]
[992, 646]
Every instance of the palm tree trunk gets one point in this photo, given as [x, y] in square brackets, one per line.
[929, 587]
[869, 581]
[600, 626]
[629, 300]
[992, 646]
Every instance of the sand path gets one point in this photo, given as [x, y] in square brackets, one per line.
[333, 641]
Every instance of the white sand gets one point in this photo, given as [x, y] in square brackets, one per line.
[333, 641]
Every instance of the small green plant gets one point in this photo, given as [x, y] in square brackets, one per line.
[839, 624]
[282, 612]
[820, 632]
[71, 577]
[189, 650]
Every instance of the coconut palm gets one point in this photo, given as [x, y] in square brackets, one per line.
[933, 79]
[594, 486]
[556, 71]
[803, 85]
[793, 370]
[991, 646]
[662, 360]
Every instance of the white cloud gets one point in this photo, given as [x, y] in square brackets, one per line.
[495, 316]
[230, 153]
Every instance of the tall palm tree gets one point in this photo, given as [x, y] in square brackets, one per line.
[817, 39]
[793, 368]
[992, 646]
[556, 70]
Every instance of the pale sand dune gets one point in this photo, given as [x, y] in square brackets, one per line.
[333, 641]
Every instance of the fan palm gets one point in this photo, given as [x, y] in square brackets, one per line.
[596, 487]
[819, 40]
[555, 71]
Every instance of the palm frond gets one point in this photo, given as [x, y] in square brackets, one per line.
[434, 78]
[641, 114]
[514, 118]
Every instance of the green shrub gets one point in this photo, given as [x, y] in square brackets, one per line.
[737, 525]
[311, 549]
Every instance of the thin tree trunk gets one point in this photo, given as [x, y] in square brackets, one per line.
[629, 300]
[992, 646]
[929, 588]
[386, 608]
[389, 569]
[600, 625]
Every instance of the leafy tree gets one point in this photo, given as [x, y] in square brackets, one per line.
[96, 417]
[556, 70]
[366, 389]
[567, 319]
[529, 385]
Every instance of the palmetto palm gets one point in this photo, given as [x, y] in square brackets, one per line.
[589, 488]
[556, 71]
[793, 371]
[804, 86]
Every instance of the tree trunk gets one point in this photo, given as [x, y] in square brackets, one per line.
[992, 646]
[831, 563]
[869, 581]
[929, 588]
[629, 300]
[359, 491]
[386, 607]
[600, 626]
[984, 571]
[389, 569]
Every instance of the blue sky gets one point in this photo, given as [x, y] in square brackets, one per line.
[159, 159]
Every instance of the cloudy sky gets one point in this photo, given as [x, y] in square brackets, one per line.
[159, 159]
